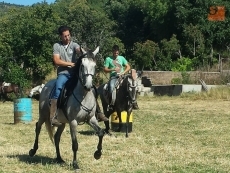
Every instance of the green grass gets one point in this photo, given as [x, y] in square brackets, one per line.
[184, 134]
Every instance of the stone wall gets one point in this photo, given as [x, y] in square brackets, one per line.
[165, 77]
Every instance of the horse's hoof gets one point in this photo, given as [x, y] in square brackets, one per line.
[108, 133]
[97, 155]
[32, 152]
[60, 161]
[75, 166]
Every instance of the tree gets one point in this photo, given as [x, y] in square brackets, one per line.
[144, 54]
[31, 39]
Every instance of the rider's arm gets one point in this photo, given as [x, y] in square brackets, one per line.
[107, 67]
[59, 62]
[107, 70]
[127, 68]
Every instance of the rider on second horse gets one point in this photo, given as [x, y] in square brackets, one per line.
[64, 56]
[115, 66]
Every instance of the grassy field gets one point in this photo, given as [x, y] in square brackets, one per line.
[185, 134]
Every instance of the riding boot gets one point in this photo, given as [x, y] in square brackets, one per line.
[99, 115]
[135, 105]
[53, 108]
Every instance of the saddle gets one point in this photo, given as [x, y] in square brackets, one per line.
[65, 92]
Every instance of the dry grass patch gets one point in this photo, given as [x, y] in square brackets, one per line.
[170, 134]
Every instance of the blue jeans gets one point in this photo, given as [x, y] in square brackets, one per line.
[112, 82]
[60, 82]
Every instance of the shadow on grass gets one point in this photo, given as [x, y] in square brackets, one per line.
[9, 123]
[87, 133]
[37, 159]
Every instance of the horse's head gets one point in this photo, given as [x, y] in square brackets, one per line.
[131, 80]
[87, 68]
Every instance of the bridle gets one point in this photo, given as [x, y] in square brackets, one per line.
[84, 72]
[131, 88]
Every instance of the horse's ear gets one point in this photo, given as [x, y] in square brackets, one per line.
[96, 51]
[82, 50]
[134, 74]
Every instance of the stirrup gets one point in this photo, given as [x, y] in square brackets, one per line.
[109, 107]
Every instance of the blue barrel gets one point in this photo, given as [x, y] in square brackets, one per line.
[22, 110]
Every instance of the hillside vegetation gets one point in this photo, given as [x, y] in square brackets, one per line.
[4, 7]
[166, 35]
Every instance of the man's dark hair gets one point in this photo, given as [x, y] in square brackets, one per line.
[63, 28]
[115, 48]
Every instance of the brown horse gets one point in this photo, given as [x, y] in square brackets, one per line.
[6, 88]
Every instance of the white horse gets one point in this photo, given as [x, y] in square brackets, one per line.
[37, 89]
[79, 108]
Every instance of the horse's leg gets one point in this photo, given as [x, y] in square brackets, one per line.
[57, 138]
[100, 132]
[120, 121]
[97, 154]
[4, 97]
[107, 127]
[118, 129]
[107, 114]
[32, 152]
[73, 127]
[105, 106]
[129, 111]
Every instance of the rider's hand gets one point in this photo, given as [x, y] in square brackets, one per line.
[117, 69]
[121, 74]
[71, 65]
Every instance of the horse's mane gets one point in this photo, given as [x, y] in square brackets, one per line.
[78, 64]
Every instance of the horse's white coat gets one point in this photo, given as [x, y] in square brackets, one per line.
[80, 108]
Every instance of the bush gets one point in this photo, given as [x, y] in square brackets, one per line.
[176, 81]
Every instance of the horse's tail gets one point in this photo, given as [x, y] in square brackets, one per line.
[50, 130]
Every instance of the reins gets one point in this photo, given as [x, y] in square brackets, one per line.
[84, 108]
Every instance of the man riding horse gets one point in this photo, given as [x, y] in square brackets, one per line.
[64, 56]
[115, 66]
